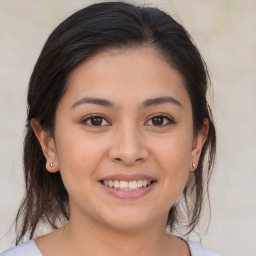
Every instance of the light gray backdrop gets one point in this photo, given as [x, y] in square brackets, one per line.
[224, 31]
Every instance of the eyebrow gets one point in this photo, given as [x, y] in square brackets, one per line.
[107, 103]
[96, 101]
[161, 100]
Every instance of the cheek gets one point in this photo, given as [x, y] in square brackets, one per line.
[77, 159]
[173, 157]
[174, 153]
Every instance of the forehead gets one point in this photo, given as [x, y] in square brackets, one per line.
[133, 73]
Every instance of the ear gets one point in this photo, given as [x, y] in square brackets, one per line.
[198, 144]
[48, 145]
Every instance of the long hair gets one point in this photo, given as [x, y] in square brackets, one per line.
[83, 34]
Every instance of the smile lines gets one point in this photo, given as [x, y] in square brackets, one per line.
[127, 185]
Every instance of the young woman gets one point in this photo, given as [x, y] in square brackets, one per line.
[120, 140]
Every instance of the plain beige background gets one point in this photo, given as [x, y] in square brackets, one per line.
[224, 31]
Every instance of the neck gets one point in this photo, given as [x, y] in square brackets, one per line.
[83, 237]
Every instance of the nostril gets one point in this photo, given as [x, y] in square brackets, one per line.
[128, 161]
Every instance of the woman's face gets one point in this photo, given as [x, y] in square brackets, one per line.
[124, 122]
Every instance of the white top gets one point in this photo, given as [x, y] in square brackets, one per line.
[30, 248]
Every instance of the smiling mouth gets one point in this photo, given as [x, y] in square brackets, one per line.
[123, 185]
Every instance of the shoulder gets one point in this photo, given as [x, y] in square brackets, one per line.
[28, 248]
[199, 250]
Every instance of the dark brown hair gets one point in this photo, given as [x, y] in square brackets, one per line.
[83, 34]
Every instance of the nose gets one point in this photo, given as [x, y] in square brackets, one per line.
[128, 146]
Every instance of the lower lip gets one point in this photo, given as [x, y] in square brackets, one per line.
[132, 194]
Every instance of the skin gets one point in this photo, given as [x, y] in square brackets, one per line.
[125, 141]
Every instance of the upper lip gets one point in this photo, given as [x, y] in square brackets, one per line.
[128, 177]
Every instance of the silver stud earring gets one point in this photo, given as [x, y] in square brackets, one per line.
[51, 164]
[194, 165]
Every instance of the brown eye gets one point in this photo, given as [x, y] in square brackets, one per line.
[95, 121]
[160, 121]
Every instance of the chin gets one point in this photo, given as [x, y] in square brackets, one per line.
[128, 219]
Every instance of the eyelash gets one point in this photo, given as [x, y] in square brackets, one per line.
[90, 117]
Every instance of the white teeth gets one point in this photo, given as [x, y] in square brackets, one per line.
[133, 185]
[116, 184]
[144, 183]
[123, 184]
[127, 185]
[110, 183]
